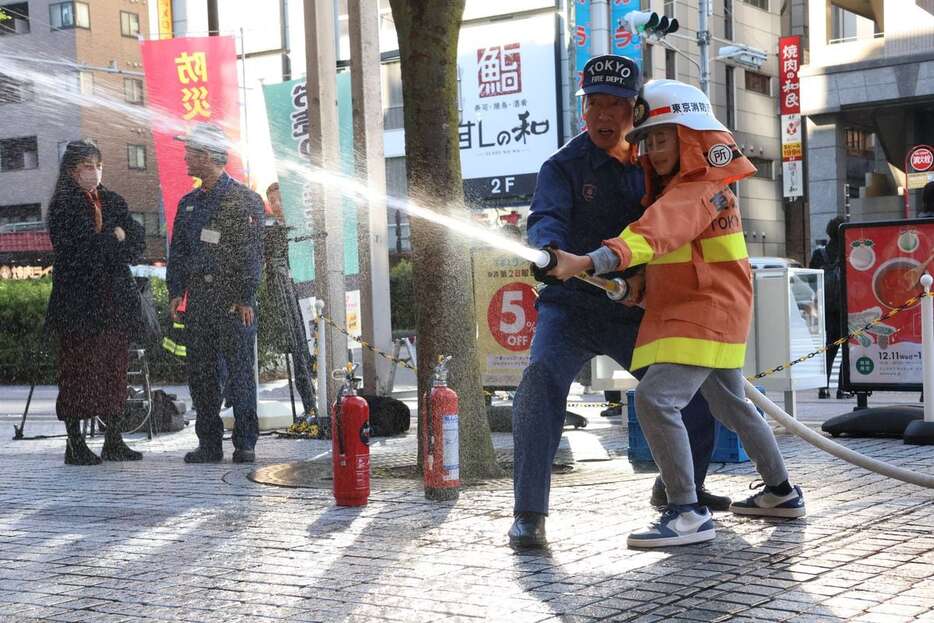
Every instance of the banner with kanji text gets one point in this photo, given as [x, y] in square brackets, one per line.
[190, 80]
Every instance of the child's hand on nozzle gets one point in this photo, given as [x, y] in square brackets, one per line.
[636, 292]
[569, 265]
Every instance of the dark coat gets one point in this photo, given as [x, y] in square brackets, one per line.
[92, 287]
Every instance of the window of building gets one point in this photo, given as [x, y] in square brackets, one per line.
[64, 15]
[20, 213]
[17, 154]
[859, 142]
[129, 24]
[669, 8]
[14, 18]
[133, 90]
[149, 221]
[648, 60]
[393, 116]
[758, 83]
[765, 168]
[671, 69]
[730, 99]
[14, 91]
[136, 156]
[728, 19]
[759, 4]
[86, 83]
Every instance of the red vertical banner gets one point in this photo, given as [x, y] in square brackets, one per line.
[789, 61]
[189, 81]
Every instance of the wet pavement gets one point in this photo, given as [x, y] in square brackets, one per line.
[160, 540]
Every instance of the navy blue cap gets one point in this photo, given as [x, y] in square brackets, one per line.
[612, 75]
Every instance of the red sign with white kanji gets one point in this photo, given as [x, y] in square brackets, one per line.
[789, 62]
[190, 80]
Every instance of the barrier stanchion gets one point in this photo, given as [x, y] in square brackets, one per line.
[322, 364]
[921, 432]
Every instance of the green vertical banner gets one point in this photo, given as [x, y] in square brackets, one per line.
[345, 122]
[287, 114]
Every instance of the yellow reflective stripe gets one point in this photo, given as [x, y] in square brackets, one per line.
[727, 248]
[690, 351]
[642, 253]
[179, 350]
[177, 325]
[678, 256]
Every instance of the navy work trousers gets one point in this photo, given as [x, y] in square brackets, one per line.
[565, 339]
[220, 362]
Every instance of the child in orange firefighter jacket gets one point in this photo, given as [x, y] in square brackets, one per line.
[698, 305]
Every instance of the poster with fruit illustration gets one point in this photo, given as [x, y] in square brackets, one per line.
[883, 264]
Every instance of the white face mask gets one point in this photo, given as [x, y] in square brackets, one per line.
[89, 179]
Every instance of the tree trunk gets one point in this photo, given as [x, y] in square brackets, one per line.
[446, 325]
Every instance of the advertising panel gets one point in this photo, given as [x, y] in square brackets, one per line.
[789, 59]
[882, 265]
[190, 80]
[509, 121]
[504, 299]
[582, 30]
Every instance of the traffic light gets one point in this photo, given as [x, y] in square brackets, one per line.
[649, 24]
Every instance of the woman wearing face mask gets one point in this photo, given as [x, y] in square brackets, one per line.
[94, 305]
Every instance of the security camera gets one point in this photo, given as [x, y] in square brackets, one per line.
[743, 56]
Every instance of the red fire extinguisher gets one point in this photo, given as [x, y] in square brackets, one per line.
[440, 446]
[350, 443]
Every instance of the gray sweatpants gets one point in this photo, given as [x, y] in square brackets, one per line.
[667, 388]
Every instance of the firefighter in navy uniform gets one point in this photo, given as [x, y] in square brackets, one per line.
[585, 193]
[216, 255]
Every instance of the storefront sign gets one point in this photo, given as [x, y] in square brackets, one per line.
[883, 263]
[789, 62]
[504, 298]
[509, 122]
[624, 43]
[189, 81]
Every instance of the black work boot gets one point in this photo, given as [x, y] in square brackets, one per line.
[712, 501]
[203, 454]
[243, 456]
[528, 531]
[77, 451]
[115, 449]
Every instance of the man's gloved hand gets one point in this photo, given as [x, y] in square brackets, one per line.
[541, 274]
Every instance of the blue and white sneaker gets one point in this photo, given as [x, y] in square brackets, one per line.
[678, 525]
[769, 504]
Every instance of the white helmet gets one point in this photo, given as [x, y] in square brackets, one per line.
[671, 101]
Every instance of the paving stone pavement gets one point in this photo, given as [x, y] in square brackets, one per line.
[160, 540]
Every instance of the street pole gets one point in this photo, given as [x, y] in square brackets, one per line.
[327, 215]
[600, 33]
[363, 26]
[703, 44]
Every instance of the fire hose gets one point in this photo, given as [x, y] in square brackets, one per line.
[616, 289]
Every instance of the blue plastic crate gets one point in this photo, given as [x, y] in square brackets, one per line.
[728, 449]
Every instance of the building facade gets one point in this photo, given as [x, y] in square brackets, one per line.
[868, 92]
[745, 100]
[71, 70]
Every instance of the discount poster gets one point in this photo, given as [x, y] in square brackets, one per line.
[504, 296]
[883, 263]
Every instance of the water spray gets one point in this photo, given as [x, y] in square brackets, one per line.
[617, 289]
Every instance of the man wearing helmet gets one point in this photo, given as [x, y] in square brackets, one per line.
[698, 305]
[586, 192]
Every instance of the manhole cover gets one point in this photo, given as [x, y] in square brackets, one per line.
[399, 472]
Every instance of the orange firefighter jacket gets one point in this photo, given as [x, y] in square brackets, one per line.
[698, 288]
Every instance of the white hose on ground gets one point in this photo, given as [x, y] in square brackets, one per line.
[831, 447]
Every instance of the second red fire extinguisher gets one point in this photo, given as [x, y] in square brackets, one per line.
[440, 438]
[350, 443]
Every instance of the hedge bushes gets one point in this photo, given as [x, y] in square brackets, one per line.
[27, 354]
